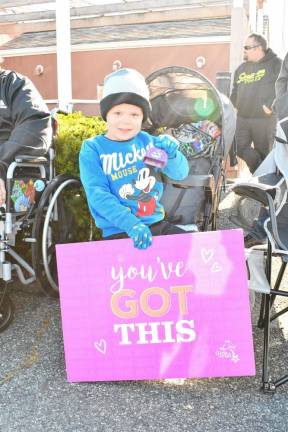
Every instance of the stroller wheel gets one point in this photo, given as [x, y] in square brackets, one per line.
[6, 311]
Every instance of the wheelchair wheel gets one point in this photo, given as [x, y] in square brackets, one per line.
[62, 217]
[6, 311]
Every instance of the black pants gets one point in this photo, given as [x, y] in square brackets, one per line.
[260, 132]
[159, 228]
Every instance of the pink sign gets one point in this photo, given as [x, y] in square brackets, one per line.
[178, 309]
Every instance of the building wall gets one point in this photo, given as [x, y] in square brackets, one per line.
[47, 82]
[90, 67]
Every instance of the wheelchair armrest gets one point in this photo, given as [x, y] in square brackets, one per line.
[192, 181]
[30, 159]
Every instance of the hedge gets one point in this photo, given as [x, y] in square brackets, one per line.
[73, 129]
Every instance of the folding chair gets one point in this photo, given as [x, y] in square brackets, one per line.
[271, 191]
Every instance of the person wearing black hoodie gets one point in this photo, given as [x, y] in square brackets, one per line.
[252, 95]
[25, 122]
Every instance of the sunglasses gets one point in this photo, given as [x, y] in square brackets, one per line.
[247, 47]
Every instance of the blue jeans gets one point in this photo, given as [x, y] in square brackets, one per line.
[260, 132]
[257, 230]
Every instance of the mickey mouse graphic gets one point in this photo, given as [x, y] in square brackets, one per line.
[146, 198]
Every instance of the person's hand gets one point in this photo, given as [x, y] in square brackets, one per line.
[141, 236]
[267, 110]
[168, 144]
[2, 192]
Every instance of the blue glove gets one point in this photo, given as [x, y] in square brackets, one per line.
[168, 144]
[141, 236]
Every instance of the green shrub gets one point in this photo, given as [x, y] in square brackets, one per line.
[73, 130]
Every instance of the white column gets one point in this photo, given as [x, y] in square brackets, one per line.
[260, 21]
[252, 16]
[278, 29]
[64, 81]
[239, 31]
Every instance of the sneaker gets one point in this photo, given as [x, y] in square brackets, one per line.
[250, 241]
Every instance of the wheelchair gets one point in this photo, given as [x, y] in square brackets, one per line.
[42, 209]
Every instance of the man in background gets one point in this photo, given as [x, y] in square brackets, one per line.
[252, 95]
[257, 234]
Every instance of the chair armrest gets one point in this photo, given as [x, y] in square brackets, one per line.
[192, 181]
[258, 187]
[258, 192]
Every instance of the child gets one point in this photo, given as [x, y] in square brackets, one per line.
[122, 192]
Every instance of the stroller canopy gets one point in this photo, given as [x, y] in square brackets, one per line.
[181, 95]
[186, 105]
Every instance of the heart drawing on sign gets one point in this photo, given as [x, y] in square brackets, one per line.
[216, 267]
[207, 254]
[101, 346]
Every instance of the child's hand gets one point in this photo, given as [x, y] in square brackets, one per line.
[168, 144]
[141, 236]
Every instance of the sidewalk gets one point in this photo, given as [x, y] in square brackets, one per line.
[35, 396]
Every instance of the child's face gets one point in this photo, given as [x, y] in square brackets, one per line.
[124, 121]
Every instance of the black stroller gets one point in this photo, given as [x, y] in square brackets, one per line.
[189, 107]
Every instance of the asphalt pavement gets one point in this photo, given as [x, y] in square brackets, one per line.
[35, 395]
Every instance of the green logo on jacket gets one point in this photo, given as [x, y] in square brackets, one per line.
[252, 77]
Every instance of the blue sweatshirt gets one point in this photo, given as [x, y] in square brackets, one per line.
[121, 190]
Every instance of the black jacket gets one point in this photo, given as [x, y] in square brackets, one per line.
[25, 122]
[254, 85]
